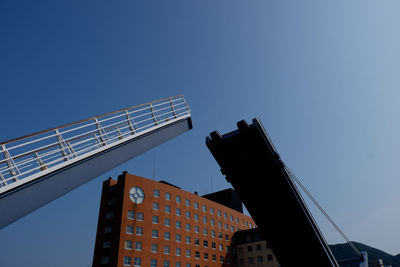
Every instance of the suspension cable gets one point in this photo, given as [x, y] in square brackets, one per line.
[293, 177]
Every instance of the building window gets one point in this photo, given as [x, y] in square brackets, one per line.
[204, 208]
[259, 259]
[154, 233]
[220, 235]
[249, 248]
[107, 244]
[138, 245]
[212, 222]
[258, 246]
[187, 202]
[231, 217]
[214, 257]
[205, 256]
[250, 226]
[178, 212]
[153, 263]
[232, 228]
[197, 254]
[226, 237]
[166, 249]
[139, 230]
[155, 206]
[196, 217]
[177, 264]
[204, 219]
[156, 193]
[109, 215]
[167, 222]
[196, 205]
[177, 237]
[187, 264]
[128, 244]
[178, 199]
[166, 235]
[212, 233]
[127, 261]
[187, 239]
[154, 248]
[221, 258]
[269, 257]
[196, 241]
[237, 220]
[137, 261]
[167, 196]
[155, 219]
[129, 229]
[219, 225]
[196, 229]
[213, 245]
[166, 263]
[219, 213]
[187, 227]
[205, 243]
[131, 214]
[167, 208]
[226, 226]
[188, 253]
[221, 247]
[140, 216]
[187, 214]
[225, 215]
[177, 251]
[212, 211]
[204, 231]
[104, 260]
[178, 224]
[108, 229]
[251, 260]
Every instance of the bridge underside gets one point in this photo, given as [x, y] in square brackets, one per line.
[24, 199]
[251, 164]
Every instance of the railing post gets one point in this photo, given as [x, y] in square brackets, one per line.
[40, 162]
[172, 108]
[2, 179]
[12, 167]
[153, 114]
[99, 131]
[61, 144]
[129, 119]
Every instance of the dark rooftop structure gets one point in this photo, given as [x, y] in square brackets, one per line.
[228, 198]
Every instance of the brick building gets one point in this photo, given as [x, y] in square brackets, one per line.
[147, 223]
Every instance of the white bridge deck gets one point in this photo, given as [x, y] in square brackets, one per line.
[40, 167]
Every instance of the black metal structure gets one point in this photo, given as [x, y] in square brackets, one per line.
[252, 165]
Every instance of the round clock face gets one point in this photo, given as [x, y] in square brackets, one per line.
[136, 194]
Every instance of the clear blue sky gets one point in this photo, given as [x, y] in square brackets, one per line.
[322, 76]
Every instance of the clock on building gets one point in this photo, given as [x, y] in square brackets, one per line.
[136, 194]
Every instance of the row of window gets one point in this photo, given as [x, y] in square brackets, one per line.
[260, 259]
[187, 216]
[154, 247]
[137, 261]
[156, 206]
[130, 229]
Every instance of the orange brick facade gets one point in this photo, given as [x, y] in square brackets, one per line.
[191, 230]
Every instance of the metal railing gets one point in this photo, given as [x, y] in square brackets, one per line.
[26, 158]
